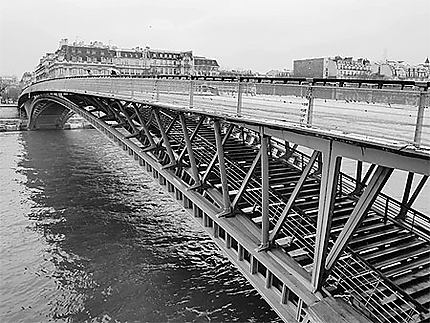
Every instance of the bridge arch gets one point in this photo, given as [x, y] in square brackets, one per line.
[47, 112]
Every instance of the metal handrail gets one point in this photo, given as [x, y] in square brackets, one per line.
[300, 111]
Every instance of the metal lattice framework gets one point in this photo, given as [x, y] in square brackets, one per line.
[311, 239]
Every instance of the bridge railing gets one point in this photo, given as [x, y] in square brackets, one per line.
[393, 114]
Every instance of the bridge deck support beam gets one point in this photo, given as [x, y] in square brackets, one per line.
[223, 172]
[360, 210]
[189, 147]
[330, 174]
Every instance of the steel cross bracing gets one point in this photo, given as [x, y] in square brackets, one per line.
[343, 241]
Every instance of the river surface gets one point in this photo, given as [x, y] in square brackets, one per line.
[86, 235]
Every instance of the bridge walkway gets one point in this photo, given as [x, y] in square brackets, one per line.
[381, 249]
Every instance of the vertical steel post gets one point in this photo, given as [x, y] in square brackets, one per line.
[157, 91]
[310, 104]
[222, 169]
[265, 191]
[190, 150]
[420, 119]
[358, 173]
[131, 87]
[329, 177]
[287, 148]
[191, 92]
[239, 98]
[407, 190]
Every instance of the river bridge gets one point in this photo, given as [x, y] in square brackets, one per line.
[258, 163]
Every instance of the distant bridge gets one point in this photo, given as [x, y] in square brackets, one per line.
[257, 162]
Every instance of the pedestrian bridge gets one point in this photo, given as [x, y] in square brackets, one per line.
[260, 164]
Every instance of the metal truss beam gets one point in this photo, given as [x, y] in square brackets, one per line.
[246, 181]
[129, 120]
[193, 135]
[293, 196]
[364, 203]
[408, 203]
[172, 123]
[362, 183]
[189, 147]
[145, 128]
[222, 169]
[214, 158]
[329, 178]
[165, 139]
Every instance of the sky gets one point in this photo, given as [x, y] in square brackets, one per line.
[241, 34]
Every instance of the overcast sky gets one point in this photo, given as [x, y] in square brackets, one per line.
[258, 35]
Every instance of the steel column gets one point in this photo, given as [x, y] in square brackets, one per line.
[360, 210]
[293, 196]
[406, 192]
[222, 169]
[329, 178]
[358, 174]
[189, 147]
[265, 224]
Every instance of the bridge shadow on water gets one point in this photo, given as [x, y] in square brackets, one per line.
[116, 246]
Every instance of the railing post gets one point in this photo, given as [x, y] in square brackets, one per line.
[310, 97]
[191, 91]
[131, 87]
[420, 118]
[239, 98]
[157, 90]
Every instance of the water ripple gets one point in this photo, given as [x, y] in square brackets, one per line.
[87, 236]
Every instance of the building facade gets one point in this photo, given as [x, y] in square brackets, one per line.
[400, 70]
[205, 66]
[332, 67]
[99, 59]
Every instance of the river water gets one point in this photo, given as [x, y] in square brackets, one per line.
[86, 235]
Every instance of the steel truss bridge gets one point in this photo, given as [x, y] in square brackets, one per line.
[258, 163]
